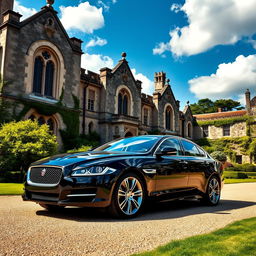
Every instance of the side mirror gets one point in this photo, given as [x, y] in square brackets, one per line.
[167, 151]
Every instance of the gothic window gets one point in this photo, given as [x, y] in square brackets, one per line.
[32, 117]
[168, 118]
[38, 75]
[91, 100]
[189, 130]
[41, 120]
[123, 103]
[49, 75]
[50, 123]
[145, 116]
[45, 70]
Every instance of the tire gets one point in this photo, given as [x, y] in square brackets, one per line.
[52, 208]
[128, 197]
[212, 195]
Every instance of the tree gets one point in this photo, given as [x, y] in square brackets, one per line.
[227, 105]
[207, 106]
[22, 143]
[203, 106]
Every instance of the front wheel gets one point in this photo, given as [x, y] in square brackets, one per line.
[128, 196]
[212, 195]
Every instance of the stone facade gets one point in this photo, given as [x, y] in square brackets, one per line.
[43, 66]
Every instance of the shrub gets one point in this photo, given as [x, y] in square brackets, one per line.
[235, 175]
[22, 143]
[220, 156]
[242, 168]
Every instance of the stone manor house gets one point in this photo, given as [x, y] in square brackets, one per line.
[46, 83]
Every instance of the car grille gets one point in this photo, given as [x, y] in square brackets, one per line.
[45, 175]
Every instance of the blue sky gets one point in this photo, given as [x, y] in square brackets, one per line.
[207, 48]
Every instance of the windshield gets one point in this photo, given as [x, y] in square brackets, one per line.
[141, 144]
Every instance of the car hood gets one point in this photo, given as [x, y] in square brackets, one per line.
[82, 158]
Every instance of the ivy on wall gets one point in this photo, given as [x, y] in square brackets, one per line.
[246, 145]
[70, 117]
[225, 121]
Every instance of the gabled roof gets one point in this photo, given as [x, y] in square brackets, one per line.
[163, 91]
[219, 115]
[44, 10]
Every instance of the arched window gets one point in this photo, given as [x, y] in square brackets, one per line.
[168, 118]
[41, 120]
[123, 103]
[38, 75]
[189, 130]
[90, 127]
[45, 68]
[49, 76]
[32, 117]
[120, 103]
[50, 123]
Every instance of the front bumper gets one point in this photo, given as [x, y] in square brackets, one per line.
[94, 191]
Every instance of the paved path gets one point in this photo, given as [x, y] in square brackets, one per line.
[27, 229]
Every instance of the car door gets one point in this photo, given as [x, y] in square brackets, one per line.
[171, 176]
[196, 164]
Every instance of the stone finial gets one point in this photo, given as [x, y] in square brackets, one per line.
[188, 102]
[50, 2]
[123, 55]
[168, 81]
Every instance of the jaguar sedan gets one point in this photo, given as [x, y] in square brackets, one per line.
[122, 175]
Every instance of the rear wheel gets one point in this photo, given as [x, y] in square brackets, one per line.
[212, 195]
[128, 196]
[51, 207]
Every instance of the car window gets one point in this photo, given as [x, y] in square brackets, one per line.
[201, 152]
[171, 143]
[190, 148]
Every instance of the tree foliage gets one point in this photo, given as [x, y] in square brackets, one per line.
[24, 142]
[208, 106]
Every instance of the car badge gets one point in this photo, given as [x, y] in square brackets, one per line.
[43, 172]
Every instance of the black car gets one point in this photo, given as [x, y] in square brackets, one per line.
[123, 174]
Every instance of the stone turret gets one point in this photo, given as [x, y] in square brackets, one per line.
[248, 100]
[5, 5]
[160, 79]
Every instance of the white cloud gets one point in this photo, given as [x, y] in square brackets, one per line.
[104, 5]
[24, 11]
[230, 80]
[97, 41]
[212, 23]
[176, 8]
[161, 48]
[94, 62]
[147, 84]
[83, 17]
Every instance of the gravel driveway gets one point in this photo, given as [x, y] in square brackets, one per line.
[28, 229]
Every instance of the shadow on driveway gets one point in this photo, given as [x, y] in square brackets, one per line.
[153, 211]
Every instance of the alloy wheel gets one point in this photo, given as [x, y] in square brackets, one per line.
[130, 195]
[214, 191]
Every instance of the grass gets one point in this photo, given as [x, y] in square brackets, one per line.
[237, 239]
[231, 181]
[11, 188]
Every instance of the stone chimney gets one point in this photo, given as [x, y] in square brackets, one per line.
[248, 100]
[5, 5]
[160, 79]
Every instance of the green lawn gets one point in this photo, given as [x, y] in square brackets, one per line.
[237, 239]
[11, 188]
[230, 181]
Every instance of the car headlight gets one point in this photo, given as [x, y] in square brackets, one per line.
[92, 171]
